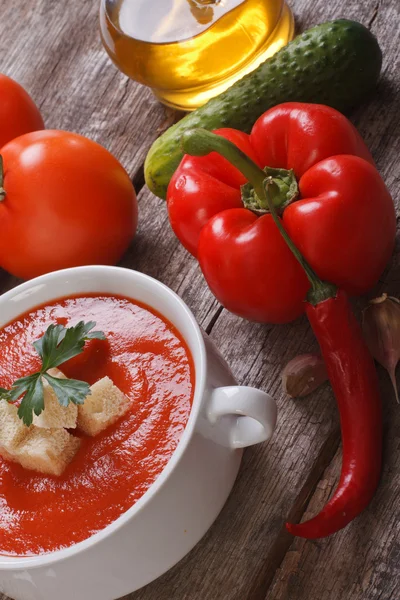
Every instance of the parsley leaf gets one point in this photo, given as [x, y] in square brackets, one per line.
[60, 344]
[55, 347]
[33, 401]
[68, 390]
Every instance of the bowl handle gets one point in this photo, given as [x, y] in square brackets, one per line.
[253, 414]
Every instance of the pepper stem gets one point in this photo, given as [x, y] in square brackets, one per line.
[320, 290]
[200, 142]
[2, 190]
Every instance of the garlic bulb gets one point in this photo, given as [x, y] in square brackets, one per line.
[381, 328]
[303, 374]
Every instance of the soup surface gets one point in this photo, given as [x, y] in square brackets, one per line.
[148, 360]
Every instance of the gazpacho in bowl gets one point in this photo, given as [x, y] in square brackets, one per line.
[66, 479]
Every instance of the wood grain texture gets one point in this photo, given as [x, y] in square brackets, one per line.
[156, 252]
[362, 562]
[54, 50]
[247, 555]
[238, 558]
[63, 65]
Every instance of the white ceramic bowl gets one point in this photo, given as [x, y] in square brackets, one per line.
[180, 506]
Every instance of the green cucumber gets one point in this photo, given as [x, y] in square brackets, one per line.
[336, 63]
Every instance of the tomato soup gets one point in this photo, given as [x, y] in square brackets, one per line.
[146, 357]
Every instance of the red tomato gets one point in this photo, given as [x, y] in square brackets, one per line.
[18, 113]
[67, 202]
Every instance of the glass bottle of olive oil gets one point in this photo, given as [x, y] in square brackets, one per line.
[188, 51]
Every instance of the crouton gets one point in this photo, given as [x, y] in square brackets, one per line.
[47, 451]
[55, 415]
[12, 429]
[103, 407]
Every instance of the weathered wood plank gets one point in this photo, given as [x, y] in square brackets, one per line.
[65, 68]
[63, 65]
[54, 50]
[361, 562]
[156, 252]
[238, 558]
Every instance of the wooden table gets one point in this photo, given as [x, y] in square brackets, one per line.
[53, 48]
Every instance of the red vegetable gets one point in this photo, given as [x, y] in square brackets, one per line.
[18, 113]
[344, 222]
[349, 364]
[65, 201]
[353, 377]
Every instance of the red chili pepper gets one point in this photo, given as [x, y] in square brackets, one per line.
[350, 366]
[332, 201]
[353, 377]
[351, 371]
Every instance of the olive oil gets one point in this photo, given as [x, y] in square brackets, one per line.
[188, 51]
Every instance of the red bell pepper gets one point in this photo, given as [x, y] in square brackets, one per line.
[332, 201]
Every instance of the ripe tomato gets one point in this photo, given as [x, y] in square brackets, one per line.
[18, 113]
[67, 202]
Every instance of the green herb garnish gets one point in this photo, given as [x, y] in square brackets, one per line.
[55, 347]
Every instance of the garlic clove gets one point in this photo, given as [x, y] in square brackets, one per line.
[303, 374]
[381, 328]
